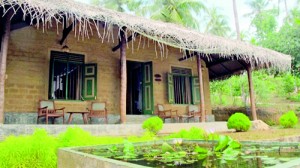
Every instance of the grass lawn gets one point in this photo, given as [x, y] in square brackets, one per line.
[274, 133]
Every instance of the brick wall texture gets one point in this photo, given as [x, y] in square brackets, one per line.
[29, 59]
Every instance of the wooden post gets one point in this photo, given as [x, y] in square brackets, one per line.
[251, 90]
[4, 36]
[123, 76]
[201, 90]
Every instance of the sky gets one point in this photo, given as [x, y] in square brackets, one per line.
[226, 8]
[242, 8]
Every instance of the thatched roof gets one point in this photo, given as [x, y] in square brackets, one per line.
[164, 33]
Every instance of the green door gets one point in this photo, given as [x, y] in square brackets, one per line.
[196, 90]
[170, 88]
[148, 104]
[90, 82]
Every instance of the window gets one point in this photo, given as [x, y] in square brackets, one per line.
[70, 78]
[183, 88]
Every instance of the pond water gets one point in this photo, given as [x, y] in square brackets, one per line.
[192, 154]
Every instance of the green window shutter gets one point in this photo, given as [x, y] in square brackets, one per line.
[148, 104]
[196, 90]
[90, 82]
[170, 88]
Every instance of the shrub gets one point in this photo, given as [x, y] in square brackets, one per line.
[153, 124]
[35, 151]
[193, 133]
[288, 120]
[239, 122]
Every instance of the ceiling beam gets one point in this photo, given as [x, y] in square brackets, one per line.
[226, 68]
[127, 41]
[188, 55]
[219, 61]
[213, 72]
[225, 75]
[66, 31]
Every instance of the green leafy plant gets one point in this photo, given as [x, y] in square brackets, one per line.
[39, 150]
[193, 133]
[288, 120]
[239, 122]
[153, 124]
[35, 151]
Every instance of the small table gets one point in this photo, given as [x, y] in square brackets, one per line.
[83, 113]
[188, 117]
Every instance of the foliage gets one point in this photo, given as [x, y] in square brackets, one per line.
[239, 122]
[176, 154]
[119, 5]
[234, 90]
[193, 133]
[153, 124]
[39, 150]
[36, 151]
[288, 120]
[217, 23]
[73, 137]
[181, 12]
[128, 150]
[265, 23]
[177, 11]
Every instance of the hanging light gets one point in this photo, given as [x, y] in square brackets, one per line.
[65, 48]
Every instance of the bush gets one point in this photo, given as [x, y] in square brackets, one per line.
[39, 150]
[153, 124]
[193, 133]
[35, 151]
[288, 120]
[239, 122]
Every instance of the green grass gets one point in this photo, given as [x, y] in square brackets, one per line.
[275, 132]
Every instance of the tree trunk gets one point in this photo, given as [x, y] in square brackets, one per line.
[251, 90]
[202, 102]
[5, 26]
[123, 77]
[286, 9]
[236, 20]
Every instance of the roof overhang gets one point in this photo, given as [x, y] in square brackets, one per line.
[222, 56]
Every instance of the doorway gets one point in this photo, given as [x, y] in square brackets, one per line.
[139, 88]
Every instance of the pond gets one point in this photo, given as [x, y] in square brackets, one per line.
[190, 154]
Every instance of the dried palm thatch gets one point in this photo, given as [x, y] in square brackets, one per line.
[88, 17]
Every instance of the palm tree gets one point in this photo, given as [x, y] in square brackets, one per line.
[183, 12]
[217, 23]
[120, 5]
[257, 6]
[285, 7]
[236, 20]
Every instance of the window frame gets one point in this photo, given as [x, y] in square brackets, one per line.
[68, 61]
[190, 76]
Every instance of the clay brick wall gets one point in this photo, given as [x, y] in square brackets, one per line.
[29, 59]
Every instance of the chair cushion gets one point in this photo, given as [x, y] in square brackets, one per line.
[193, 108]
[47, 103]
[98, 106]
[160, 107]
